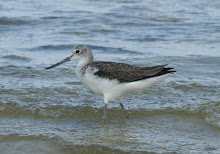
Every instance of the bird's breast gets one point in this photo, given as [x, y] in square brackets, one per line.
[87, 77]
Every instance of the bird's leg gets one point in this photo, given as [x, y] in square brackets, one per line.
[105, 112]
[122, 107]
[105, 109]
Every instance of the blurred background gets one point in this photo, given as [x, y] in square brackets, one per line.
[50, 111]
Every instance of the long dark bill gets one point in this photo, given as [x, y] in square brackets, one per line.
[59, 63]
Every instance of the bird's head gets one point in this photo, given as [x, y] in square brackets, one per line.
[80, 53]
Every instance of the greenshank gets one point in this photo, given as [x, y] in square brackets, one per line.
[113, 80]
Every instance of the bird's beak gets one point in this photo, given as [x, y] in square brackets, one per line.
[59, 63]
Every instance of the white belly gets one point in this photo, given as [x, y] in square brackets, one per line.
[112, 89]
[97, 85]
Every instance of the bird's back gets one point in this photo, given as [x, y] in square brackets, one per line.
[126, 73]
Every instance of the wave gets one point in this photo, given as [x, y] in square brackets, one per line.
[70, 46]
[209, 112]
[52, 47]
[15, 57]
[12, 21]
[43, 144]
[210, 87]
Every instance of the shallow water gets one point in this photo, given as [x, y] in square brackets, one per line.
[50, 111]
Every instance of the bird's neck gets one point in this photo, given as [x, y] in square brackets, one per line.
[84, 62]
[80, 69]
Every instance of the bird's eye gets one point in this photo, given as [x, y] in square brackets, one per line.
[77, 51]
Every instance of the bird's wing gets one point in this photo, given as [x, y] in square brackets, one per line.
[127, 73]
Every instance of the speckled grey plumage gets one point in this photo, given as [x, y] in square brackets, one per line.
[126, 73]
